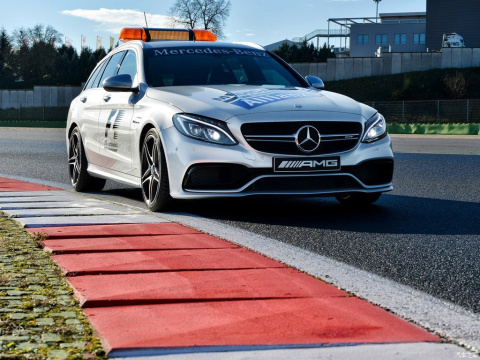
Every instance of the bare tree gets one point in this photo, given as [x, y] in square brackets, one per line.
[33, 61]
[46, 34]
[20, 37]
[185, 12]
[206, 14]
[37, 34]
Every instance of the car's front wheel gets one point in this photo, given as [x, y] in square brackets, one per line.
[80, 179]
[358, 199]
[155, 186]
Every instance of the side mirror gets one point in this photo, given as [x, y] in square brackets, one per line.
[119, 83]
[315, 82]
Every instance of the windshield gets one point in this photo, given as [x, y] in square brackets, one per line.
[182, 66]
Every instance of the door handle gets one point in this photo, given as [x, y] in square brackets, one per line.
[83, 100]
[107, 98]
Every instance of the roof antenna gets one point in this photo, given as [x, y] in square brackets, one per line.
[145, 19]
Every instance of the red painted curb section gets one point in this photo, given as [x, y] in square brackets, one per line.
[195, 286]
[154, 242]
[170, 288]
[168, 260]
[16, 185]
[89, 231]
[251, 323]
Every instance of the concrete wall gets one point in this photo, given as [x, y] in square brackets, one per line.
[391, 63]
[50, 96]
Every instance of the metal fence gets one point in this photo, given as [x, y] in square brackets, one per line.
[429, 111]
[395, 112]
[34, 114]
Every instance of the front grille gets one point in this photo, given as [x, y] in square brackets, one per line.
[279, 137]
[305, 185]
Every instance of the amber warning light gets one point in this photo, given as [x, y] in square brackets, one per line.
[147, 34]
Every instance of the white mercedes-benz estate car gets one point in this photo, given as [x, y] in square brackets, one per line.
[182, 116]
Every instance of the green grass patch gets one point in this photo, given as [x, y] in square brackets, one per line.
[434, 129]
[39, 317]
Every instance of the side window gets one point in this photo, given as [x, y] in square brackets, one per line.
[95, 76]
[129, 64]
[112, 67]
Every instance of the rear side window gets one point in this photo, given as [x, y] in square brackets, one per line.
[112, 67]
[95, 76]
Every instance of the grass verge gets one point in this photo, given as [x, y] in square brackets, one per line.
[434, 129]
[39, 317]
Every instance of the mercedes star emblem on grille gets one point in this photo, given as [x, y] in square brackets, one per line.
[307, 138]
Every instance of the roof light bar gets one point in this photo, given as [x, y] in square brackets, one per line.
[165, 34]
[128, 34]
[204, 35]
[150, 34]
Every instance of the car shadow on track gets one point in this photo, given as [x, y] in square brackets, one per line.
[392, 214]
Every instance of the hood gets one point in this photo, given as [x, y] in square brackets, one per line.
[224, 101]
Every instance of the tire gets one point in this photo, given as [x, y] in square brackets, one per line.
[155, 185]
[80, 179]
[358, 199]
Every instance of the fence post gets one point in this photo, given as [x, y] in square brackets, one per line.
[438, 111]
[468, 110]
[403, 111]
[43, 112]
[19, 112]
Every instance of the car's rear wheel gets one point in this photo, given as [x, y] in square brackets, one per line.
[155, 186]
[80, 179]
[358, 199]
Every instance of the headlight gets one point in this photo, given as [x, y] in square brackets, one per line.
[204, 129]
[375, 129]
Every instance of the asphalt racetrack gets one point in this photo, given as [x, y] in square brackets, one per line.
[424, 234]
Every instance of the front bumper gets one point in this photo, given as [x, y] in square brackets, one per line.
[200, 170]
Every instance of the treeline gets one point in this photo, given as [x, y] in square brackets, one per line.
[32, 56]
[305, 53]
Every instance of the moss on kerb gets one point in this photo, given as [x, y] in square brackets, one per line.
[39, 317]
